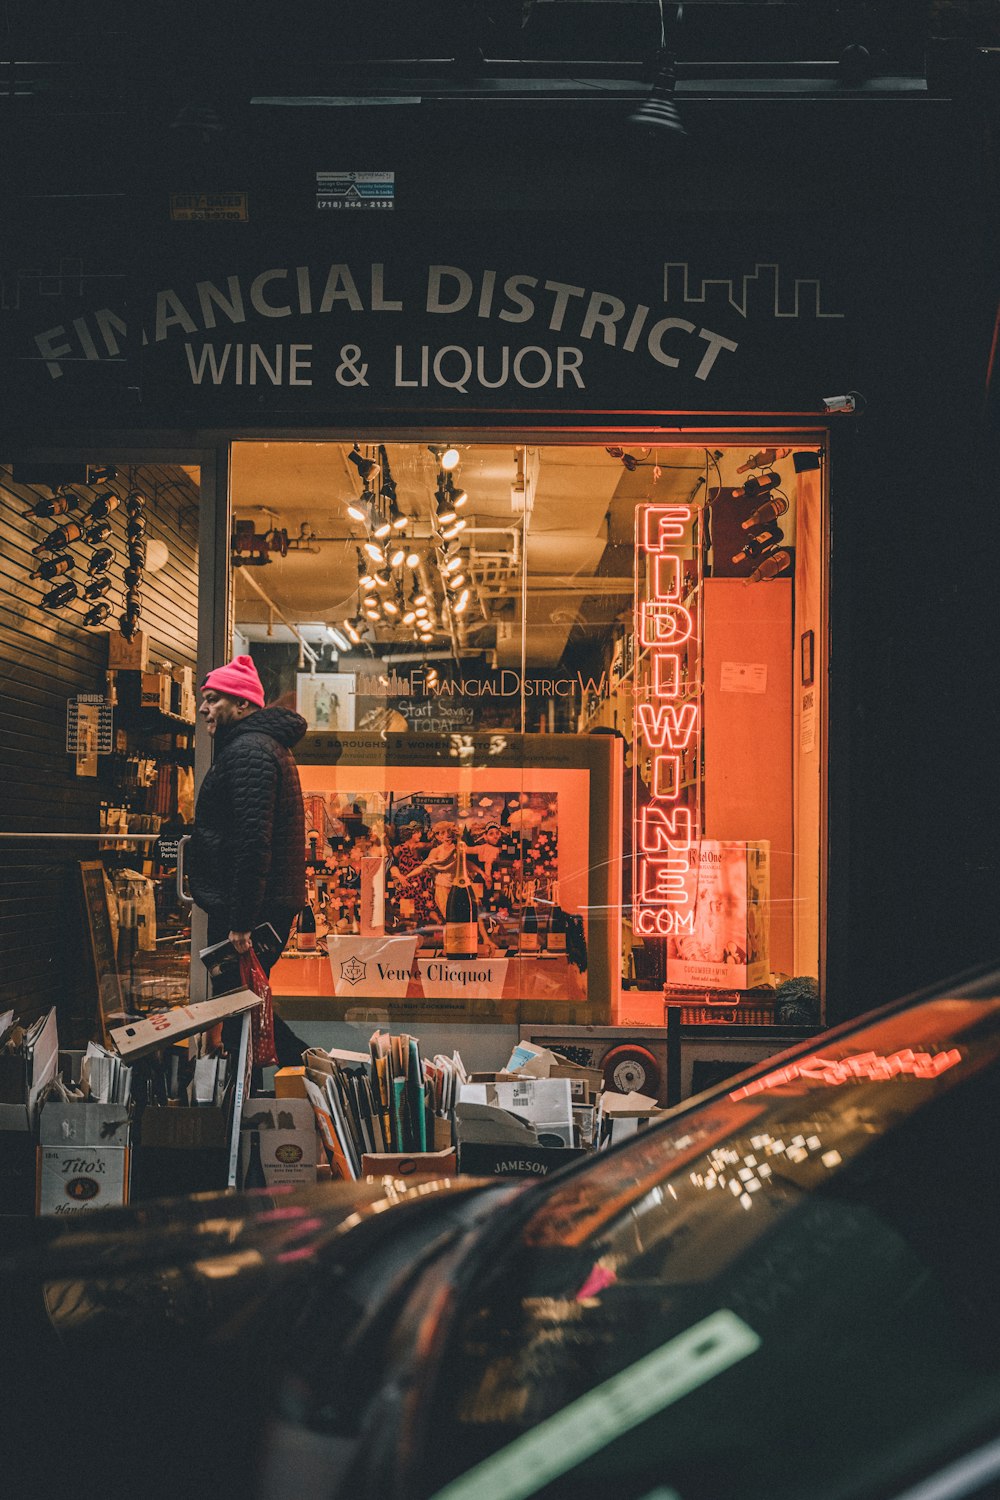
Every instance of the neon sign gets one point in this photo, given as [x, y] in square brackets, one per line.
[665, 828]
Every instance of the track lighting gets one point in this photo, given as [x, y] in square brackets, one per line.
[462, 602]
[368, 581]
[375, 552]
[453, 530]
[448, 458]
[398, 557]
[358, 511]
[412, 559]
[337, 639]
[390, 606]
[366, 467]
[409, 616]
[352, 632]
[382, 579]
[445, 511]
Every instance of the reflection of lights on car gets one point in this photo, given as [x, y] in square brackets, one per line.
[866, 1065]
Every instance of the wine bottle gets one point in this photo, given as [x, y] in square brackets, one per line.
[556, 941]
[305, 938]
[58, 505]
[97, 532]
[101, 560]
[97, 614]
[529, 925]
[136, 528]
[97, 587]
[770, 566]
[134, 501]
[103, 475]
[104, 505]
[51, 567]
[64, 593]
[133, 577]
[254, 1177]
[760, 484]
[461, 913]
[755, 546]
[769, 510]
[63, 536]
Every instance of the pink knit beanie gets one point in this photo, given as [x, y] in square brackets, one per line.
[238, 679]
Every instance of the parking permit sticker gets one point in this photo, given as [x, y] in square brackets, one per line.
[616, 1406]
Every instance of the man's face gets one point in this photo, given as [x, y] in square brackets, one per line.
[218, 709]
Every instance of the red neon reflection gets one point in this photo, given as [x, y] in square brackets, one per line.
[865, 1065]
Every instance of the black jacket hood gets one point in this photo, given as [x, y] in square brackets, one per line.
[282, 724]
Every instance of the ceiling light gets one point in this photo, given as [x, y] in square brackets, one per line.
[456, 581]
[398, 557]
[357, 511]
[353, 632]
[383, 580]
[458, 498]
[453, 531]
[420, 598]
[368, 581]
[657, 114]
[375, 552]
[337, 639]
[462, 601]
[391, 607]
[398, 519]
[413, 559]
[450, 458]
[409, 617]
[382, 528]
[445, 513]
[366, 467]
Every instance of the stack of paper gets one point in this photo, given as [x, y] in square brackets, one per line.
[104, 1077]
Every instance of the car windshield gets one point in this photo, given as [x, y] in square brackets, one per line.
[789, 1291]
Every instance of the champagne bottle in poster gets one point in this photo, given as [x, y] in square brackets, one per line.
[305, 940]
[529, 923]
[461, 913]
[556, 942]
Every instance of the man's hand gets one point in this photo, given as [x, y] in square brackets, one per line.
[241, 941]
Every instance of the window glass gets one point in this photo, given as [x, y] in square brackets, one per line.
[504, 714]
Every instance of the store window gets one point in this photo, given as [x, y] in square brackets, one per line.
[565, 722]
[100, 585]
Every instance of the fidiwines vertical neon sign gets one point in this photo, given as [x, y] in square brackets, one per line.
[667, 724]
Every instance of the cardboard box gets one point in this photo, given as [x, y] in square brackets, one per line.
[18, 1173]
[24, 1076]
[79, 1179]
[722, 929]
[149, 1035]
[492, 1159]
[290, 1083]
[83, 1157]
[287, 1128]
[128, 656]
[416, 1164]
[156, 688]
[187, 703]
[182, 1148]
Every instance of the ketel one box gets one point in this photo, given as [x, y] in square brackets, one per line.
[721, 928]
[83, 1157]
[287, 1132]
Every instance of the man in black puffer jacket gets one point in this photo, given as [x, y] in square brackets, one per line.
[246, 863]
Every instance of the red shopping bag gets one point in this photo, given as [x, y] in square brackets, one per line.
[262, 1016]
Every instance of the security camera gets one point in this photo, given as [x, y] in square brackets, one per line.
[838, 403]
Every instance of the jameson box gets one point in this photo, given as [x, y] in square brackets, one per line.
[721, 935]
[83, 1157]
[287, 1129]
[492, 1159]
